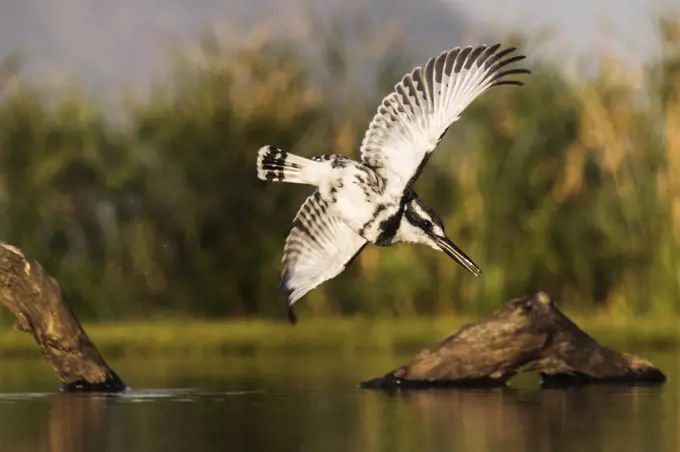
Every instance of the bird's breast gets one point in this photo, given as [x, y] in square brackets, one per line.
[380, 227]
[357, 197]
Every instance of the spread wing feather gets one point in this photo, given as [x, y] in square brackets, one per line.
[318, 248]
[412, 119]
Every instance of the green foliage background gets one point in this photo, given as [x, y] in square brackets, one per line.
[569, 187]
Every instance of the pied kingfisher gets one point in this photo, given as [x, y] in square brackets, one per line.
[373, 200]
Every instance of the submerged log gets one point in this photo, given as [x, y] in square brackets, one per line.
[528, 334]
[37, 301]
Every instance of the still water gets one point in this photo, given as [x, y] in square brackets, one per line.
[311, 403]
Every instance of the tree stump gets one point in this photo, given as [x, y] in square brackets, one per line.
[37, 301]
[528, 334]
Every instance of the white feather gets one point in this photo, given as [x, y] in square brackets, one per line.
[317, 249]
[411, 120]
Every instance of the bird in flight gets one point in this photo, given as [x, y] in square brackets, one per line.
[372, 200]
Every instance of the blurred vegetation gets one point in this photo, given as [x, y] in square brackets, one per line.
[378, 337]
[569, 187]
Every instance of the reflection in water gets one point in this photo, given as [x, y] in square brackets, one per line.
[85, 422]
[70, 423]
[74, 420]
[587, 418]
[271, 405]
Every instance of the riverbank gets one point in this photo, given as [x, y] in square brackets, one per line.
[313, 335]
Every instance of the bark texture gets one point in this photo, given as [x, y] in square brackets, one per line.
[528, 334]
[40, 307]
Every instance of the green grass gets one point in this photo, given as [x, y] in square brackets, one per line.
[321, 335]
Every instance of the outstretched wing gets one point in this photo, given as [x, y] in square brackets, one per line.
[412, 119]
[317, 249]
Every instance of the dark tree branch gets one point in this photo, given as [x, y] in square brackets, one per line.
[37, 301]
[526, 334]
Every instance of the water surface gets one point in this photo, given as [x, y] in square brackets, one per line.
[311, 403]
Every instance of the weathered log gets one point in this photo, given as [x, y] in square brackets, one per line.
[528, 334]
[37, 301]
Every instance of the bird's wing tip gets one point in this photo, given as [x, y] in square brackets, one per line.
[290, 315]
[286, 290]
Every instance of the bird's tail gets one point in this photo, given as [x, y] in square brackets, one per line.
[276, 165]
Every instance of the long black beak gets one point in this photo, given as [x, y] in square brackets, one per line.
[456, 253]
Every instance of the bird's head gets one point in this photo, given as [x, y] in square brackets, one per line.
[420, 224]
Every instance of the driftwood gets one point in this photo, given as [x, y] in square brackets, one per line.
[525, 335]
[37, 301]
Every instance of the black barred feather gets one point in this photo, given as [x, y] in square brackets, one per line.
[317, 249]
[275, 165]
[412, 119]
[271, 164]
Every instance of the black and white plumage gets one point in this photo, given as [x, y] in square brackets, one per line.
[372, 200]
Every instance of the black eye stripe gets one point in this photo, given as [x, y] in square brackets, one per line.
[418, 221]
